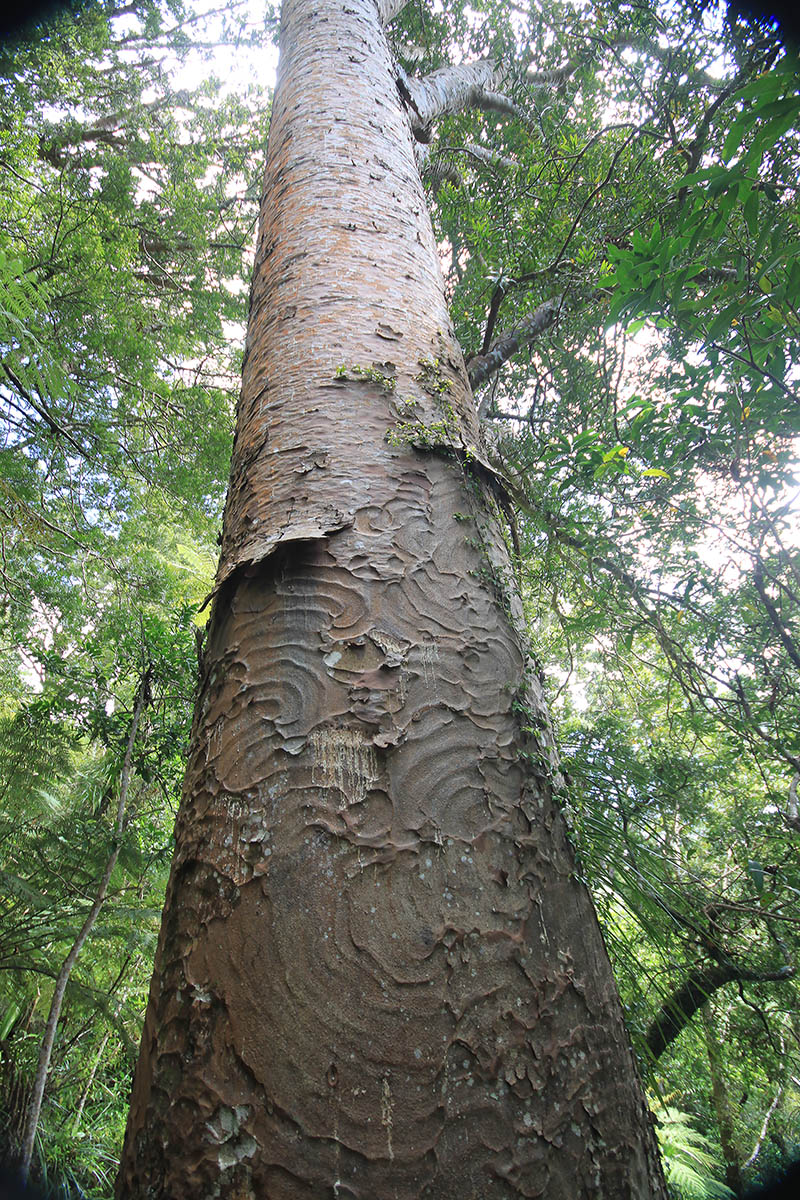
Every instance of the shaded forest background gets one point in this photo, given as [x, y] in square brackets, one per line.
[620, 242]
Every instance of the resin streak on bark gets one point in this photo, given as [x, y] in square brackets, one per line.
[377, 976]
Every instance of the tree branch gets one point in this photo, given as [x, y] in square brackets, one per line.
[753, 365]
[449, 90]
[695, 150]
[764, 1127]
[39, 408]
[389, 9]
[774, 616]
[482, 366]
[556, 75]
[791, 818]
[678, 1009]
[46, 1049]
[485, 154]
[439, 169]
[500, 289]
[696, 680]
[496, 102]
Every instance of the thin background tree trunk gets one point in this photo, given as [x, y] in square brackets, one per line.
[722, 1106]
[63, 977]
[378, 975]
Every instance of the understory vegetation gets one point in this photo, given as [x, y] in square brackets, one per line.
[620, 238]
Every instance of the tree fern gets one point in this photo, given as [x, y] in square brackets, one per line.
[691, 1164]
[25, 361]
[35, 754]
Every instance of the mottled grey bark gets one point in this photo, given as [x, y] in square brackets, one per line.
[378, 975]
[389, 9]
[451, 89]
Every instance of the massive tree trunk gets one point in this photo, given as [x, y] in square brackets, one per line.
[378, 975]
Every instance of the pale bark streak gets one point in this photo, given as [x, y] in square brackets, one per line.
[791, 817]
[87, 1087]
[763, 1131]
[492, 158]
[63, 977]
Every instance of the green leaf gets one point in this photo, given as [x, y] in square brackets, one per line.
[9, 1018]
[756, 873]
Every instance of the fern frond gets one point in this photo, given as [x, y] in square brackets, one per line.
[691, 1165]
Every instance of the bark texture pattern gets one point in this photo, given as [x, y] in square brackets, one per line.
[377, 974]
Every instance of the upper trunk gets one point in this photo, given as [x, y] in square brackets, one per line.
[377, 975]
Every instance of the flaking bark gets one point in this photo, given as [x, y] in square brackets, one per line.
[377, 975]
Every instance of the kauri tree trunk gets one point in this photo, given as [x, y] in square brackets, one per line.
[377, 975]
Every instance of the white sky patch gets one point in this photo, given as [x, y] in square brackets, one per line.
[238, 66]
[44, 625]
[235, 63]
